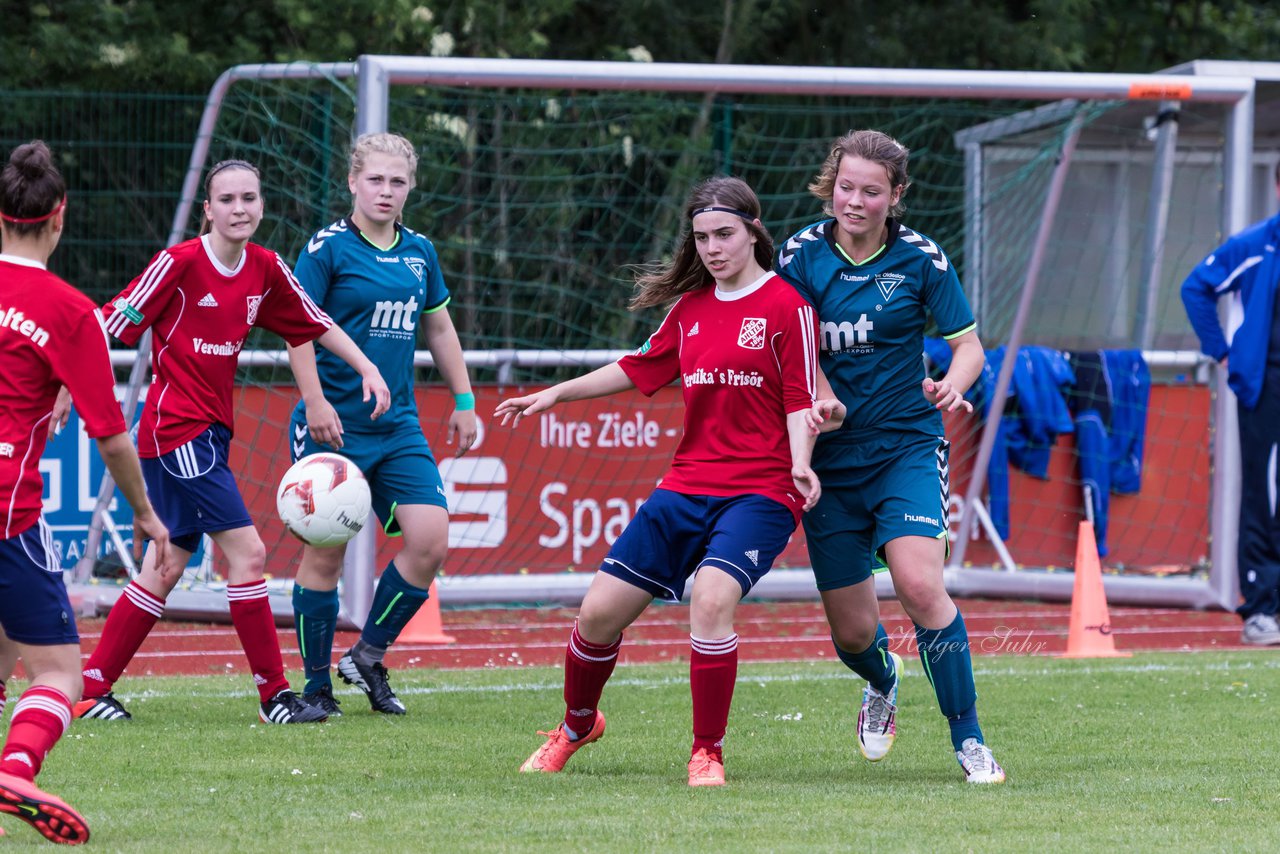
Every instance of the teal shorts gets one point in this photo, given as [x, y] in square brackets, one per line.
[873, 491]
[399, 466]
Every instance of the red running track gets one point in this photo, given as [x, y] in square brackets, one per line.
[768, 632]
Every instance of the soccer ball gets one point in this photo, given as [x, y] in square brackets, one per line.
[323, 499]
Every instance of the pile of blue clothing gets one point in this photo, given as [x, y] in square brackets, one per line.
[1100, 395]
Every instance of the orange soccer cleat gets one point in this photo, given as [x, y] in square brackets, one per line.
[50, 815]
[706, 769]
[557, 749]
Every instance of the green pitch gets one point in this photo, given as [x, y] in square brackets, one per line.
[1161, 751]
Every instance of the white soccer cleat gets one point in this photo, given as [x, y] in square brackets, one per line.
[1260, 630]
[978, 763]
[877, 720]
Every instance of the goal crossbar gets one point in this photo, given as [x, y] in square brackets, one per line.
[373, 75]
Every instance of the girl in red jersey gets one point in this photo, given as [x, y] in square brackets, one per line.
[200, 298]
[743, 343]
[50, 335]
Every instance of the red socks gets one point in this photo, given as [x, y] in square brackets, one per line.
[136, 612]
[40, 718]
[586, 668]
[713, 672]
[128, 625]
[256, 627]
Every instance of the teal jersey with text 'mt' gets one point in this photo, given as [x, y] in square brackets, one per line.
[872, 318]
[378, 297]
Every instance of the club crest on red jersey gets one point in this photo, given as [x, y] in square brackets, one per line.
[751, 335]
[254, 303]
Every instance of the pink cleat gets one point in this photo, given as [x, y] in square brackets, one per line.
[706, 769]
[557, 749]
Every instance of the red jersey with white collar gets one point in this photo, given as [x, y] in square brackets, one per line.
[746, 359]
[50, 335]
[199, 312]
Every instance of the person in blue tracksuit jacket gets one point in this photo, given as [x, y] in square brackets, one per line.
[1245, 270]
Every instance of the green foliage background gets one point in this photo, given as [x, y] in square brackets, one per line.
[149, 45]
[117, 88]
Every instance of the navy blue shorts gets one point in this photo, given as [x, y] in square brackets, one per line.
[674, 535]
[34, 608]
[194, 491]
[398, 465]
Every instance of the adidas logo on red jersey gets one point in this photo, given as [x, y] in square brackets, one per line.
[207, 301]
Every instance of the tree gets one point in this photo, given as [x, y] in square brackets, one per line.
[146, 45]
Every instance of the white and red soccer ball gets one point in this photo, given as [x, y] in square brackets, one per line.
[323, 499]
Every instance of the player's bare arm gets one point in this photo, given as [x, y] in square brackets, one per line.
[122, 461]
[340, 344]
[61, 412]
[801, 440]
[827, 413]
[601, 382]
[967, 357]
[446, 351]
[323, 422]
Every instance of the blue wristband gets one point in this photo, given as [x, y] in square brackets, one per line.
[464, 402]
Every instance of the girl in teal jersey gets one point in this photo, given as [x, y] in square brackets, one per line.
[885, 473]
[381, 282]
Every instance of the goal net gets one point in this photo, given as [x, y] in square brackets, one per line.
[539, 200]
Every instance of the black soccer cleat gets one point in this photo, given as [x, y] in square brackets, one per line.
[373, 682]
[323, 699]
[104, 708]
[287, 707]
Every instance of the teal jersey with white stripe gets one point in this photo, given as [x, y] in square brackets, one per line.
[378, 297]
[872, 318]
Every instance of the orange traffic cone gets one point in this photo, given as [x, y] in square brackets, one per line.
[426, 625]
[1090, 632]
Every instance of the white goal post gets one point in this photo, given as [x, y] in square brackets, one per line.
[374, 76]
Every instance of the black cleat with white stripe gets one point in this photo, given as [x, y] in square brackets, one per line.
[104, 708]
[288, 708]
[373, 682]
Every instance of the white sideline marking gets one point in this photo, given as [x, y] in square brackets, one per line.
[1102, 666]
[976, 637]
[683, 618]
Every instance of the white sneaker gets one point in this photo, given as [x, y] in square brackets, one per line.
[1261, 630]
[877, 725]
[978, 763]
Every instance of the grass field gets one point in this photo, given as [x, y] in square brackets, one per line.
[1172, 752]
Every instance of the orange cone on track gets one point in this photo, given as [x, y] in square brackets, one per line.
[426, 625]
[1090, 633]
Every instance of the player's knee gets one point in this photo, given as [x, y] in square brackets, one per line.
[430, 557]
[156, 583]
[248, 563]
[323, 562]
[420, 561]
[597, 626]
[919, 595]
[855, 635]
[712, 615]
